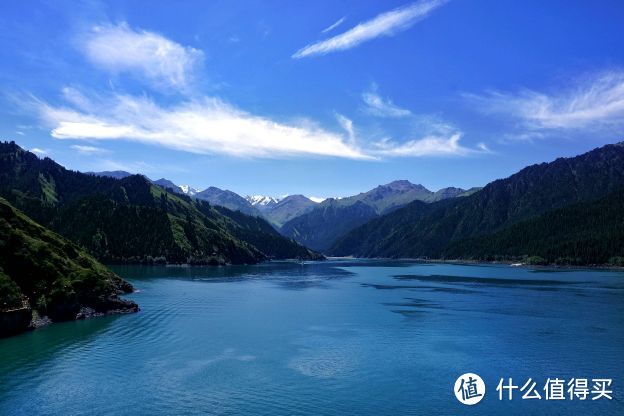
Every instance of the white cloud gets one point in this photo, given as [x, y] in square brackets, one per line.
[203, 126]
[380, 107]
[119, 48]
[137, 167]
[483, 147]
[427, 146]
[333, 25]
[385, 24]
[211, 126]
[89, 150]
[347, 125]
[38, 151]
[590, 102]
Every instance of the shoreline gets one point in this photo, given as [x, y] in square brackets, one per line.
[485, 262]
[17, 324]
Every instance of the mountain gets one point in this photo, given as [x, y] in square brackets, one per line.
[117, 174]
[215, 196]
[323, 224]
[131, 219]
[42, 271]
[446, 193]
[428, 230]
[227, 199]
[165, 183]
[259, 233]
[276, 210]
[582, 233]
[262, 200]
[280, 211]
[178, 189]
[188, 190]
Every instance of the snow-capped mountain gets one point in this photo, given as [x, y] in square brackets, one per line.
[188, 190]
[262, 200]
[181, 189]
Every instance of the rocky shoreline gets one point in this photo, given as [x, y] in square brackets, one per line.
[19, 320]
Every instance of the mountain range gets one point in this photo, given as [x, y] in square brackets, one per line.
[549, 211]
[275, 210]
[57, 224]
[133, 220]
[317, 224]
[324, 224]
[510, 218]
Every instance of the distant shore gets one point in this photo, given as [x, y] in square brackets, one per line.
[475, 262]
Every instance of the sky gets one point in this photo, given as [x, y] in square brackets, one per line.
[323, 98]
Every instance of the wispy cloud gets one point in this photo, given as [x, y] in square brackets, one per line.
[39, 152]
[427, 146]
[594, 101]
[385, 24]
[119, 48]
[138, 167]
[210, 125]
[333, 25]
[204, 126]
[89, 150]
[380, 107]
[347, 125]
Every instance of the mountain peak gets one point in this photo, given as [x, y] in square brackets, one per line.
[262, 200]
[403, 185]
[188, 190]
[184, 189]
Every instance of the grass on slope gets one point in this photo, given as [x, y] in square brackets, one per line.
[56, 276]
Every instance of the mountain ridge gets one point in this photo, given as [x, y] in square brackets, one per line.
[332, 218]
[131, 219]
[424, 230]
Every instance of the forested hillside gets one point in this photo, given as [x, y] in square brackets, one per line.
[421, 230]
[42, 271]
[132, 220]
[582, 233]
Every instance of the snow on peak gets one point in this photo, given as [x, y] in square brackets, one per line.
[316, 199]
[262, 199]
[188, 190]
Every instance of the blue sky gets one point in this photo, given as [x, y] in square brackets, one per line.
[325, 98]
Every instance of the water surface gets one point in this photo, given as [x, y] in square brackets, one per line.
[334, 337]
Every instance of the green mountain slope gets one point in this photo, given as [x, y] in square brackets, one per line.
[259, 233]
[582, 233]
[419, 229]
[41, 270]
[227, 199]
[129, 219]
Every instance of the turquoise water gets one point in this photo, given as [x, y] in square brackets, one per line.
[335, 337]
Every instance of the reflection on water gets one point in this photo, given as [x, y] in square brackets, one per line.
[324, 338]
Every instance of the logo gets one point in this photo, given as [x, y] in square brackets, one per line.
[469, 389]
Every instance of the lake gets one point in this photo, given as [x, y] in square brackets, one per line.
[335, 337]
